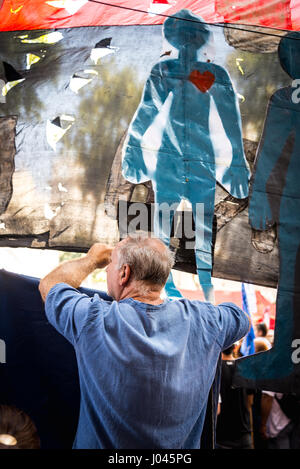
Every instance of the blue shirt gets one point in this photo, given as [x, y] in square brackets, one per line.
[145, 371]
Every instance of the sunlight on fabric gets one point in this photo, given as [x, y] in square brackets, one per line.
[57, 128]
[10, 85]
[79, 79]
[61, 188]
[49, 213]
[50, 38]
[237, 61]
[160, 6]
[101, 49]
[71, 6]
[31, 59]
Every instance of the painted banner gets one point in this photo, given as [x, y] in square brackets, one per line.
[275, 198]
[19, 15]
[134, 119]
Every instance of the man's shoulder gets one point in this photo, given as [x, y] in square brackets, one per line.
[199, 311]
[194, 304]
[207, 306]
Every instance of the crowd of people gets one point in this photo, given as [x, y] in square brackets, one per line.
[255, 419]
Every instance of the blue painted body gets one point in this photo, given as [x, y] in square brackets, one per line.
[275, 198]
[179, 158]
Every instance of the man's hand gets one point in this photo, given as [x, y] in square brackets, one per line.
[100, 255]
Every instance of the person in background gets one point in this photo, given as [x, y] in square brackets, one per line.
[276, 427]
[261, 344]
[17, 431]
[261, 331]
[237, 349]
[234, 420]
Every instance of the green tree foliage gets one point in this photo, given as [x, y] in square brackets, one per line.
[104, 113]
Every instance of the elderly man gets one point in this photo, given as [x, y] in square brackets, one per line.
[145, 365]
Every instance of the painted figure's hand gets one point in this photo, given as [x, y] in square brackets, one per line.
[100, 255]
[236, 180]
[260, 213]
[133, 165]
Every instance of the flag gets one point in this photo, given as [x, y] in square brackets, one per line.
[249, 306]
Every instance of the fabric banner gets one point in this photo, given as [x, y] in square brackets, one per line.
[187, 130]
[38, 368]
[17, 15]
[74, 92]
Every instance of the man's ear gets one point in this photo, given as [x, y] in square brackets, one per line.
[125, 274]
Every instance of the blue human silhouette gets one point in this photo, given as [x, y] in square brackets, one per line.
[179, 157]
[275, 198]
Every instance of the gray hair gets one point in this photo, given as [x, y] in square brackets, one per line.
[148, 263]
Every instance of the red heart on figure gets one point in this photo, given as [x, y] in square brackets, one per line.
[203, 81]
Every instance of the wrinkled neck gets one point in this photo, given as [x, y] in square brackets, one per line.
[144, 293]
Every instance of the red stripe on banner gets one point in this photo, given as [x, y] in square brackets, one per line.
[41, 14]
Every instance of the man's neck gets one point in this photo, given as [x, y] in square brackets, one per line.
[151, 296]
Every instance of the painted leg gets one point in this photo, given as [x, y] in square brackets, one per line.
[277, 364]
[163, 219]
[203, 217]
[171, 290]
[206, 285]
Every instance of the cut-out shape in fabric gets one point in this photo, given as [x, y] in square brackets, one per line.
[101, 49]
[160, 6]
[57, 128]
[49, 38]
[275, 198]
[186, 135]
[31, 59]
[12, 78]
[49, 213]
[71, 6]
[81, 79]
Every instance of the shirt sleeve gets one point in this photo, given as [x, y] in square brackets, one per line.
[233, 322]
[269, 393]
[67, 310]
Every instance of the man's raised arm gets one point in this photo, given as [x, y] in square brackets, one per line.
[75, 271]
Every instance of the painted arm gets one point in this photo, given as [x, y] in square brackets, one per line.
[134, 168]
[277, 127]
[236, 177]
[75, 271]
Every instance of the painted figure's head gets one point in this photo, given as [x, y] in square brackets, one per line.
[289, 54]
[186, 29]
